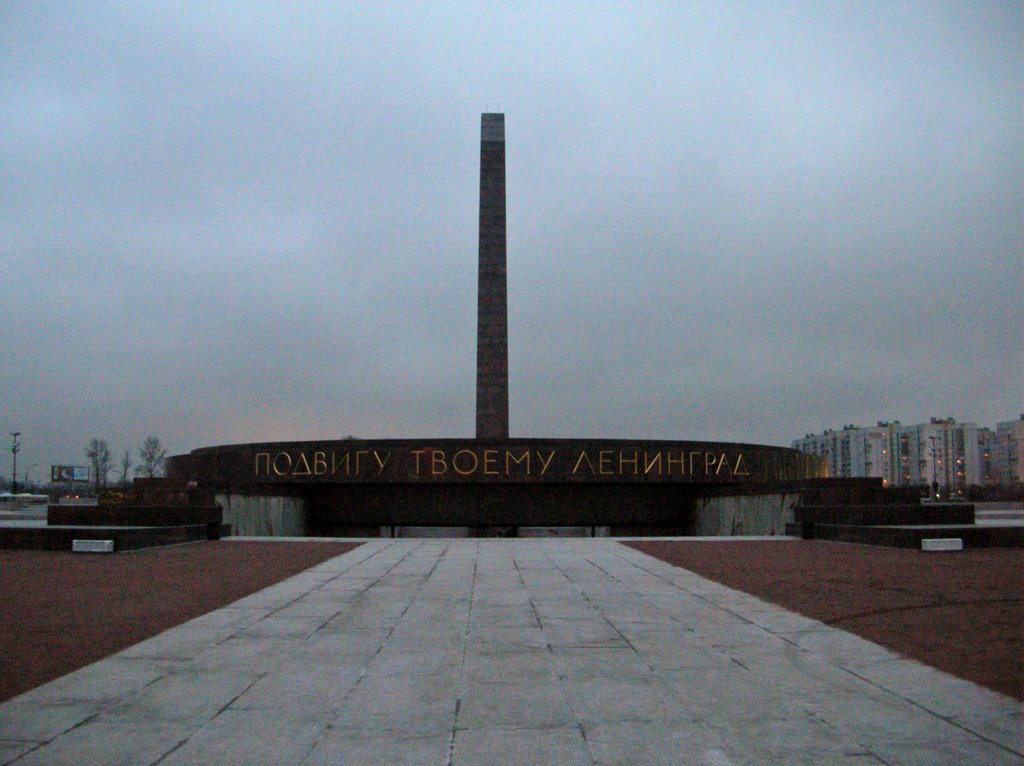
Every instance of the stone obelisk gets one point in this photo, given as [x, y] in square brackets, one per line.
[492, 301]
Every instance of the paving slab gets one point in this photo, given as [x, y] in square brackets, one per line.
[465, 652]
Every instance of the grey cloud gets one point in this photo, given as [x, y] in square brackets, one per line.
[736, 221]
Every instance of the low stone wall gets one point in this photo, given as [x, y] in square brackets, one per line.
[264, 515]
[125, 538]
[132, 515]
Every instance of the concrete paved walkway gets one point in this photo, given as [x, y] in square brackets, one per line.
[496, 652]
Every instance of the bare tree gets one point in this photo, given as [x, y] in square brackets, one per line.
[152, 455]
[126, 466]
[99, 459]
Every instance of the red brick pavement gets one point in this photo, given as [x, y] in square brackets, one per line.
[961, 612]
[62, 611]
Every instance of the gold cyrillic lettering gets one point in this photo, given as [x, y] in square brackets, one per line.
[736, 470]
[467, 471]
[490, 462]
[624, 461]
[678, 461]
[510, 458]
[709, 460]
[319, 463]
[302, 466]
[359, 468]
[381, 463]
[265, 457]
[544, 464]
[649, 463]
[418, 453]
[277, 457]
[345, 463]
[721, 462]
[604, 457]
[692, 456]
[438, 465]
[579, 461]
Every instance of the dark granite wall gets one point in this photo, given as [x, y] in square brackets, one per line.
[333, 510]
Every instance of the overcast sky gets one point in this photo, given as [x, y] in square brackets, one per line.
[229, 222]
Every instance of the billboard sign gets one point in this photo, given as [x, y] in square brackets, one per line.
[68, 473]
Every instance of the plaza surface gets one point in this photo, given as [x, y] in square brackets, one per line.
[581, 651]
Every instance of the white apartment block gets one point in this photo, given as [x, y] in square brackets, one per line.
[944, 453]
[988, 451]
[855, 451]
[1008, 451]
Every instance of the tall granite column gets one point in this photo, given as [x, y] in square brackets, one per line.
[492, 302]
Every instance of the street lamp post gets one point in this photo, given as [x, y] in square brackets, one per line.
[14, 469]
[935, 475]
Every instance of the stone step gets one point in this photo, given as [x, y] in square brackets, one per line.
[911, 536]
[863, 494]
[60, 538]
[881, 515]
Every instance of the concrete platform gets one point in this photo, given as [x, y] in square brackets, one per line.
[579, 651]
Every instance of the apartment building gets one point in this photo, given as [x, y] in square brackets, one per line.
[1007, 452]
[942, 454]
